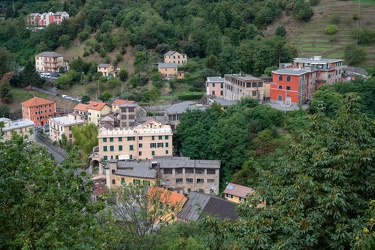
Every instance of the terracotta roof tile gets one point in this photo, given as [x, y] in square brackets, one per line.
[168, 197]
[81, 106]
[35, 101]
[120, 102]
[96, 105]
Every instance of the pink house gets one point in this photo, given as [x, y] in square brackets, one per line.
[40, 21]
[215, 86]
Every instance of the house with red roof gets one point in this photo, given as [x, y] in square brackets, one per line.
[95, 110]
[116, 104]
[38, 110]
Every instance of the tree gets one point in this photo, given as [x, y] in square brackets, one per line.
[105, 96]
[85, 98]
[141, 212]
[86, 137]
[326, 100]
[43, 206]
[4, 111]
[123, 74]
[65, 41]
[6, 61]
[280, 31]
[354, 54]
[5, 93]
[29, 77]
[331, 29]
[302, 10]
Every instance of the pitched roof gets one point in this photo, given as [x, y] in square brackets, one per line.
[238, 190]
[104, 65]
[199, 204]
[180, 107]
[35, 101]
[169, 53]
[96, 105]
[167, 196]
[151, 120]
[120, 102]
[48, 54]
[167, 65]
[81, 106]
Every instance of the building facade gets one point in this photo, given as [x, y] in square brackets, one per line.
[38, 110]
[64, 126]
[238, 86]
[144, 141]
[175, 57]
[24, 127]
[95, 110]
[168, 70]
[237, 193]
[215, 86]
[107, 70]
[40, 21]
[50, 62]
[116, 104]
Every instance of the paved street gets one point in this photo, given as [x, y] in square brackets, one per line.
[58, 158]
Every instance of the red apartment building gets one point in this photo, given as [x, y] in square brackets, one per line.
[297, 83]
[38, 110]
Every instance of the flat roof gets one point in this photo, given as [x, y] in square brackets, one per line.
[186, 162]
[65, 120]
[244, 77]
[180, 107]
[290, 71]
[22, 123]
[316, 60]
[215, 79]
[136, 169]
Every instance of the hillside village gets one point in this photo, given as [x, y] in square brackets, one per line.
[222, 165]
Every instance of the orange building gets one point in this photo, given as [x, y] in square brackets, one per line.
[38, 110]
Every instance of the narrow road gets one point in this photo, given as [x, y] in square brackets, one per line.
[58, 158]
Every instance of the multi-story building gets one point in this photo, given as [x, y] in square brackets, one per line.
[175, 111]
[116, 104]
[297, 82]
[107, 70]
[63, 125]
[238, 86]
[237, 193]
[38, 110]
[95, 110]
[143, 141]
[81, 109]
[179, 174]
[50, 62]
[175, 57]
[168, 70]
[23, 127]
[40, 21]
[215, 86]
[128, 114]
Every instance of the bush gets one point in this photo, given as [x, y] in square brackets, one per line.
[190, 97]
[335, 19]
[365, 36]
[355, 16]
[331, 29]
[302, 11]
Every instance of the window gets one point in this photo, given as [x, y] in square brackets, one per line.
[152, 145]
[200, 180]
[146, 183]
[221, 92]
[104, 148]
[131, 147]
[287, 87]
[140, 138]
[153, 138]
[111, 139]
[189, 180]
[166, 137]
[178, 171]
[113, 182]
[211, 171]
[254, 93]
[122, 180]
[70, 128]
[199, 171]
[152, 153]
[242, 199]
[120, 148]
[222, 85]
[189, 170]
[213, 92]
[210, 180]
[105, 157]
[113, 171]
[136, 181]
[179, 180]
[229, 195]
[280, 77]
[160, 145]
[140, 145]
[131, 138]
[279, 98]
[166, 144]
[111, 148]
[104, 139]
[280, 87]
[160, 137]
[120, 139]
[288, 78]
[168, 171]
[140, 153]
[166, 152]
[70, 136]
[213, 84]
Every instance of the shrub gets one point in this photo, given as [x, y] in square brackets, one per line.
[355, 16]
[85, 53]
[302, 10]
[335, 19]
[331, 29]
[280, 31]
[365, 36]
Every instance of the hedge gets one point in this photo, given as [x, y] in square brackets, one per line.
[190, 97]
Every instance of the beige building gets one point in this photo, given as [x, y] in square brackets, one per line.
[107, 70]
[238, 86]
[23, 127]
[237, 193]
[168, 70]
[144, 141]
[95, 110]
[175, 57]
[50, 62]
[81, 109]
[179, 174]
[59, 126]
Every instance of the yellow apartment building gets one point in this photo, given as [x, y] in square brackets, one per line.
[175, 57]
[64, 126]
[143, 141]
[95, 110]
